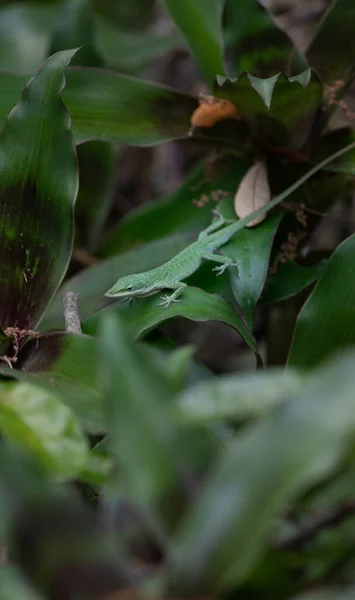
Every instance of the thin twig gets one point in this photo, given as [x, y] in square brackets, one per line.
[71, 313]
[313, 525]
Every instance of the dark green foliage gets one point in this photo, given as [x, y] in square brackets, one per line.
[139, 458]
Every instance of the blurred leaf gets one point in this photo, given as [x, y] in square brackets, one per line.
[13, 585]
[187, 208]
[200, 22]
[130, 52]
[254, 43]
[66, 365]
[333, 55]
[296, 445]
[25, 35]
[92, 283]
[344, 593]
[146, 443]
[133, 15]
[331, 142]
[237, 397]
[195, 304]
[74, 27]
[38, 422]
[97, 166]
[279, 111]
[326, 323]
[290, 279]
[251, 248]
[38, 183]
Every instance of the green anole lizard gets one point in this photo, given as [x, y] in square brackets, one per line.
[171, 274]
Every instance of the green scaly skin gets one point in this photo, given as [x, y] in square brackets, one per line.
[171, 274]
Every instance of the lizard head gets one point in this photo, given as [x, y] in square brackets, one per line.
[132, 286]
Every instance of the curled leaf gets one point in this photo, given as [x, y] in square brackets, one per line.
[212, 110]
[253, 193]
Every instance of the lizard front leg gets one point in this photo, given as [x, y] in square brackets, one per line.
[178, 286]
[224, 260]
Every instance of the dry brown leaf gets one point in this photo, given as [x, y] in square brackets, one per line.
[253, 193]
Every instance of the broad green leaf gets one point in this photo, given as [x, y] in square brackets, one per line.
[200, 22]
[153, 454]
[326, 323]
[130, 52]
[279, 110]
[251, 248]
[195, 304]
[25, 34]
[188, 208]
[97, 162]
[254, 43]
[290, 279]
[92, 283]
[269, 463]
[237, 397]
[110, 107]
[38, 422]
[38, 185]
[332, 52]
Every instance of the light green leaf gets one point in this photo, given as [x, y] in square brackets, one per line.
[269, 463]
[237, 397]
[38, 422]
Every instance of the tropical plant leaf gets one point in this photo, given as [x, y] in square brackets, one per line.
[97, 162]
[237, 397]
[325, 324]
[153, 454]
[109, 107]
[278, 110]
[200, 22]
[195, 304]
[38, 183]
[92, 283]
[251, 249]
[290, 279]
[330, 54]
[130, 51]
[39, 423]
[299, 443]
[254, 43]
[187, 208]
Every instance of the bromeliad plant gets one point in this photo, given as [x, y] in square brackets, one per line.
[210, 481]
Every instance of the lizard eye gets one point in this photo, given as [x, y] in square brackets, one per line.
[129, 288]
